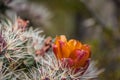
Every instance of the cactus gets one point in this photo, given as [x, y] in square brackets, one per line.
[25, 54]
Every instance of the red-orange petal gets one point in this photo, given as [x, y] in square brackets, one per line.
[87, 49]
[64, 49]
[60, 38]
[83, 56]
[57, 52]
[67, 62]
[74, 44]
[73, 55]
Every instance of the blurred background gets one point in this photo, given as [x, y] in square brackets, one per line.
[95, 22]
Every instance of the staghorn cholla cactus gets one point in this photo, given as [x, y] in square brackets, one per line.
[25, 54]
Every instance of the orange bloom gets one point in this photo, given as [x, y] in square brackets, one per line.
[72, 52]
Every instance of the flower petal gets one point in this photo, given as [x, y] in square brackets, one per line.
[64, 49]
[57, 51]
[74, 44]
[86, 48]
[60, 38]
[81, 59]
[67, 62]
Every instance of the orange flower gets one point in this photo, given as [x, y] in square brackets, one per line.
[72, 52]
